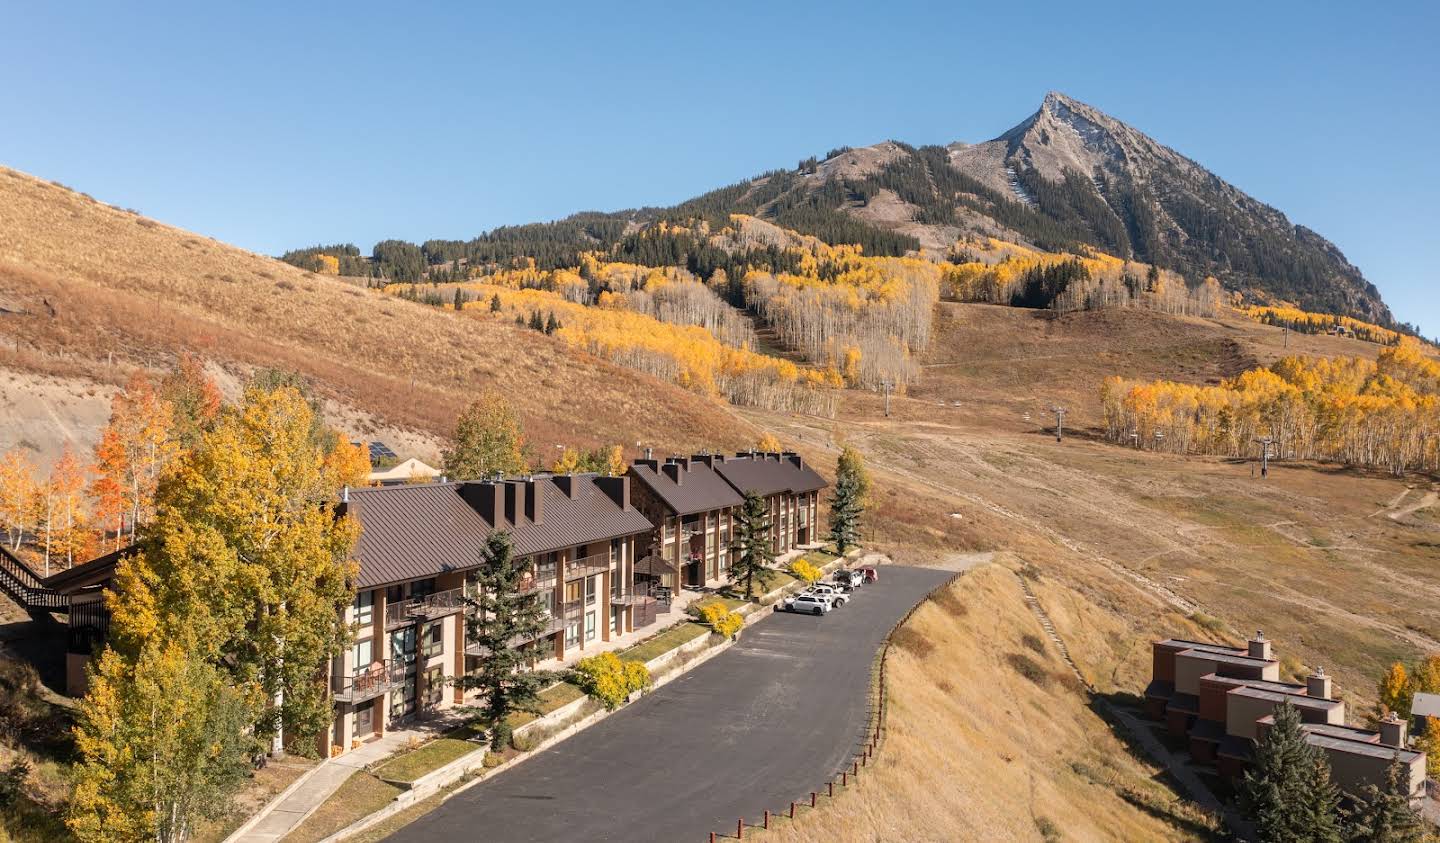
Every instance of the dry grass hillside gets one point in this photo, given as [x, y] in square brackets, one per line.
[992, 737]
[88, 291]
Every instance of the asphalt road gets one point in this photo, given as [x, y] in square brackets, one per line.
[767, 721]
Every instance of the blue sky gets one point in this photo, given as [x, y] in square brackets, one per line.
[280, 125]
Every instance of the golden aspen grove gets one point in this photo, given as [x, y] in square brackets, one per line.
[1373, 414]
[1320, 323]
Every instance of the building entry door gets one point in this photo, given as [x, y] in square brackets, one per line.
[365, 720]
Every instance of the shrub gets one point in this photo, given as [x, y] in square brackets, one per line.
[525, 742]
[609, 679]
[1027, 668]
[12, 782]
[720, 620]
[803, 570]
[492, 760]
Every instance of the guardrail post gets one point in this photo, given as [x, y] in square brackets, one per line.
[845, 779]
[831, 784]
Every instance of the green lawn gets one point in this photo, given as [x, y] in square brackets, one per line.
[412, 764]
[665, 641]
[361, 795]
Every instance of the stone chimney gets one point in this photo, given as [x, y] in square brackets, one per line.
[795, 458]
[1260, 646]
[675, 471]
[1392, 731]
[1318, 684]
[616, 489]
[535, 500]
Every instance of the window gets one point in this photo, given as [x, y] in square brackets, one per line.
[434, 686]
[402, 699]
[616, 613]
[421, 588]
[572, 633]
[592, 586]
[590, 627]
[433, 639]
[402, 645]
[365, 608]
[574, 591]
[364, 653]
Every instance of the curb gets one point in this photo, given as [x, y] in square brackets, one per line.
[419, 790]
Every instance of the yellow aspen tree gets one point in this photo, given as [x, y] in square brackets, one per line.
[17, 494]
[769, 444]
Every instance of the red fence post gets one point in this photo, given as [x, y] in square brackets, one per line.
[740, 829]
[813, 794]
[792, 810]
[845, 779]
[831, 785]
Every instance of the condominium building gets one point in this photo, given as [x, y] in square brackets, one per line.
[418, 548]
[791, 490]
[693, 509]
[1223, 700]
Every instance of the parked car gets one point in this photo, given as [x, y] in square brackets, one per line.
[849, 580]
[810, 604]
[870, 573]
[835, 594]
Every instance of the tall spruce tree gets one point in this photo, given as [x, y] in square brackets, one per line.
[502, 622]
[1281, 793]
[1319, 807]
[847, 503]
[1385, 814]
[752, 544]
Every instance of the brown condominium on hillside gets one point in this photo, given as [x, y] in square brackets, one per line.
[418, 545]
[1223, 699]
[695, 503]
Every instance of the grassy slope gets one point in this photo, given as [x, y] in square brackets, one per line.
[95, 281]
[980, 749]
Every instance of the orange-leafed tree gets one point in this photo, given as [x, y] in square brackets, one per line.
[17, 495]
[64, 536]
[140, 429]
[193, 398]
[349, 462]
[107, 491]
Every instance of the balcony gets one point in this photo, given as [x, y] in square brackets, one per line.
[426, 608]
[597, 563]
[537, 581]
[370, 683]
[634, 595]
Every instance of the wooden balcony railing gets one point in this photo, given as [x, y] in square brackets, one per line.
[369, 683]
[428, 607]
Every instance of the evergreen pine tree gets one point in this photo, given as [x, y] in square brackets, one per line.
[536, 323]
[848, 500]
[752, 543]
[495, 303]
[1319, 808]
[459, 299]
[503, 622]
[1386, 814]
[1280, 780]
[552, 324]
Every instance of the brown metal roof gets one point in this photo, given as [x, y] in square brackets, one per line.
[699, 488]
[413, 532]
[769, 474]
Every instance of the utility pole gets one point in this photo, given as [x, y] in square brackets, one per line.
[1059, 423]
[886, 385]
[1264, 442]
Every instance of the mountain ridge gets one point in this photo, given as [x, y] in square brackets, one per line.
[1066, 178]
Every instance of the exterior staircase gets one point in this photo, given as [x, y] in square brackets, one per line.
[27, 589]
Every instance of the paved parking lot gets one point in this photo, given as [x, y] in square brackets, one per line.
[767, 721]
